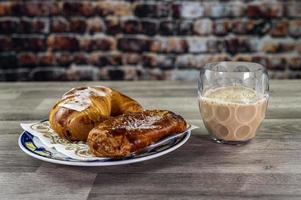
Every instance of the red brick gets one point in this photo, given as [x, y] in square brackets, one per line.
[26, 23]
[94, 58]
[221, 27]
[238, 9]
[41, 8]
[116, 73]
[78, 25]
[132, 59]
[53, 8]
[164, 62]
[270, 47]
[197, 45]
[215, 46]
[223, 10]
[237, 45]
[294, 63]
[132, 73]
[242, 26]
[157, 10]
[132, 44]
[115, 8]
[174, 45]
[63, 43]
[261, 27]
[47, 59]
[29, 43]
[293, 9]
[184, 28]
[112, 73]
[155, 46]
[275, 10]
[287, 46]
[256, 27]
[149, 27]
[87, 9]
[27, 60]
[83, 8]
[186, 61]
[9, 25]
[95, 25]
[150, 60]
[279, 28]
[155, 74]
[98, 43]
[261, 59]
[82, 72]
[59, 25]
[33, 25]
[259, 10]
[168, 27]
[131, 26]
[277, 47]
[6, 43]
[80, 58]
[243, 58]
[295, 28]
[219, 10]
[188, 10]
[298, 47]
[113, 25]
[277, 63]
[254, 11]
[176, 9]
[64, 59]
[128, 73]
[17, 8]
[5, 9]
[202, 27]
[110, 59]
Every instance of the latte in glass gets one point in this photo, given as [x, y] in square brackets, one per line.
[233, 113]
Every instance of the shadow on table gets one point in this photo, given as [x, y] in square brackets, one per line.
[198, 154]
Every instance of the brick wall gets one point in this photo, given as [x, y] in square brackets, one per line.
[143, 39]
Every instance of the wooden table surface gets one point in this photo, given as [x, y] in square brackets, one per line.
[267, 168]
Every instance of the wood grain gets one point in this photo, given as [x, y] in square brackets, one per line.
[269, 167]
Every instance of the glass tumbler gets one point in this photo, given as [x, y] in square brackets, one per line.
[233, 98]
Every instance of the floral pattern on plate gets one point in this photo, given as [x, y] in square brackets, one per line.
[32, 146]
[50, 141]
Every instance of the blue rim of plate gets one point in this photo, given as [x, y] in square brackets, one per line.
[27, 145]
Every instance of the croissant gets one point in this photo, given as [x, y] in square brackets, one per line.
[124, 134]
[81, 109]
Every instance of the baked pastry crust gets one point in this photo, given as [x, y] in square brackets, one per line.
[81, 109]
[124, 134]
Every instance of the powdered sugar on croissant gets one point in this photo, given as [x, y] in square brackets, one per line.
[78, 99]
[81, 109]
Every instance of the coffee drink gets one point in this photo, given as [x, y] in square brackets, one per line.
[233, 113]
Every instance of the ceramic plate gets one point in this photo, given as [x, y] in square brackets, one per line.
[32, 146]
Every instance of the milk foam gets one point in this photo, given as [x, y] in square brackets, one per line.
[233, 94]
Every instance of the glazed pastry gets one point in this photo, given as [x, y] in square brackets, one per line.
[81, 109]
[124, 134]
